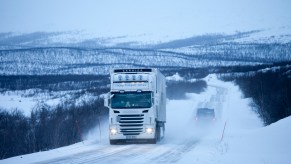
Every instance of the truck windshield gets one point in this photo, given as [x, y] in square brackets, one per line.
[131, 100]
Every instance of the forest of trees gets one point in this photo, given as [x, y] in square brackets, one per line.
[270, 90]
[81, 60]
[50, 127]
[52, 82]
[47, 127]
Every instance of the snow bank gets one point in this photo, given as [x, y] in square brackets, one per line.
[269, 144]
[244, 140]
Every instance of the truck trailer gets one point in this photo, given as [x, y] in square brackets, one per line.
[137, 106]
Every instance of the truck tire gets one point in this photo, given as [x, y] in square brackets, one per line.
[163, 131]
[157, 135]
[158, 132]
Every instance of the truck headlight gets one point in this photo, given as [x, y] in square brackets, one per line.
[149, 130]
[113, 131]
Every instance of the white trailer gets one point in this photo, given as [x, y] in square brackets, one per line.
[137, 106]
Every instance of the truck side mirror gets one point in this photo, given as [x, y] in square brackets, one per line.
[106, 100]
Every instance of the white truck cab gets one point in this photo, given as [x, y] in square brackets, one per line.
[137, 106]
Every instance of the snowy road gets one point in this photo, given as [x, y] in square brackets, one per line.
[161, 153]
[184, 142]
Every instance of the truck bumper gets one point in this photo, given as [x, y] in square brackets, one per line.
[131, 137]
[133, 141]
[143, 135]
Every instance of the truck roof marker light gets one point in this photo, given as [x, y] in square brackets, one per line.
[127, 77]
[140, 77]
[119, 77]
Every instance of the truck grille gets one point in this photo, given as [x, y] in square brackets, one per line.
[131, 124]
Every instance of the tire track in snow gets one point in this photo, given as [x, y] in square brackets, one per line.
[135, 151]
[90, 156]
[175, 153]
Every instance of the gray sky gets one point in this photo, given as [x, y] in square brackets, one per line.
[136, 17]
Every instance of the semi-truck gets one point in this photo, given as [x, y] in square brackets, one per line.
[137, 106]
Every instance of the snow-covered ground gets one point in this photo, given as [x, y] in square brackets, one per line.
[245, 139]
[26, 100]
[12, 102]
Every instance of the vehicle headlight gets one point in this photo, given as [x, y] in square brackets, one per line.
[113, 131]
[149, 130]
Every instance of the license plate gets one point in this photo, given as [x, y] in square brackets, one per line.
[130, 137]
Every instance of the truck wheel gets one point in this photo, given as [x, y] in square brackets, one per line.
[159, 132]
[163, 131]
[157, 135]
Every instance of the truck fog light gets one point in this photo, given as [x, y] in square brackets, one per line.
[113, 131]
[149, 130]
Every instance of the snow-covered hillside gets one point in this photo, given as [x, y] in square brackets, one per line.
[147, 21]
[73, 60]
[244, 140]
[103, 35]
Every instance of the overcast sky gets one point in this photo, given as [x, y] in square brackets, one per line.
[136, 17]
